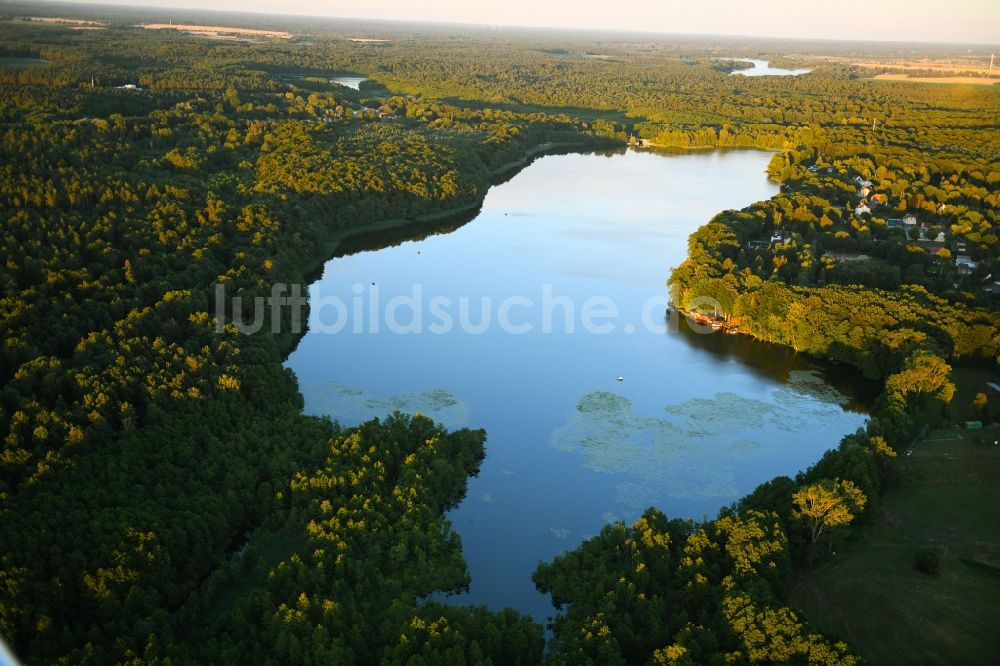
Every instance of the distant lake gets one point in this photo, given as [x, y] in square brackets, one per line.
[696, 421]
[349, 81]
[762, 68]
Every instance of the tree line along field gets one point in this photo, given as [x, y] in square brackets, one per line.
[967, 80]
[943, 506]
[874, 596]
[164, 498]
[966, 70]
[215, 30]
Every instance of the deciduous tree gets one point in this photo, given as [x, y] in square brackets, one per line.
[827, 504]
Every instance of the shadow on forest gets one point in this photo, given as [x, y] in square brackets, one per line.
[516, 106]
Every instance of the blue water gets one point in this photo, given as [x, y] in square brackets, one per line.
[696, 421]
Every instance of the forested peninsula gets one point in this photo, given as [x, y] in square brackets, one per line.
[163, 499]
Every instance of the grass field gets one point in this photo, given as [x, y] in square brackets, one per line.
[874, 598]
[214, 30]
[964, 80]
[969, 381]
[971, 70]
[11, 61]
[943, 66]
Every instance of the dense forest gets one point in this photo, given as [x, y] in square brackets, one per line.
[164, 500]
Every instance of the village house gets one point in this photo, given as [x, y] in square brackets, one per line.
[965, 264]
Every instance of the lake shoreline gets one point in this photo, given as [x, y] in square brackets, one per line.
[587, 223]
[313, 266]
[498, 176]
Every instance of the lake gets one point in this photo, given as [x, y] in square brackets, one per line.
[543, 321]
[349, 81]
[762, 68]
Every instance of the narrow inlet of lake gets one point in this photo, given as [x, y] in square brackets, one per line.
[543, 321]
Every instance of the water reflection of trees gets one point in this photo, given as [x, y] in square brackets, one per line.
[777, 363]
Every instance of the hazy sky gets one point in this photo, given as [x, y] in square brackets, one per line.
[961, 21]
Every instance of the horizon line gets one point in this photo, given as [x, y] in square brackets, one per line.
[520, 26]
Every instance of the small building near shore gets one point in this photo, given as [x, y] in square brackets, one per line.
[965, 264]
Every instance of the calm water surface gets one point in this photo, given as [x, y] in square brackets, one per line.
[349, 81]
[762, 68]
[696, 422]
